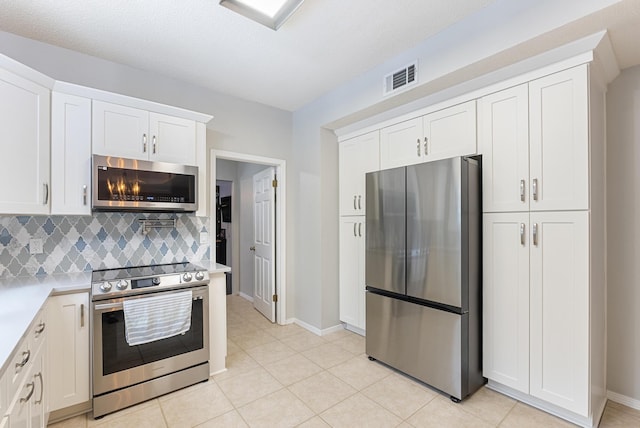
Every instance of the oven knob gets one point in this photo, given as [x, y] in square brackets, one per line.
[122, 284]
[105, 287]
[199, 276]
[186, 277]
[156, 281]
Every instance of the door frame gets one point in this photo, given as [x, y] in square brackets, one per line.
[280, 166]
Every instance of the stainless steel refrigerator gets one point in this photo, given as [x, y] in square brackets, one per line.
[423, 278]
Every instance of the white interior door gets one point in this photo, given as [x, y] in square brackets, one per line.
[264, 243]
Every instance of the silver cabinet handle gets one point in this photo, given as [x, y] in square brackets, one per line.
[153, 144]
[144, 143]
[418, 147]
[522, 190]
[355, 207]
[359, 202]
[25, 359]
[82, 315]
[39, 375]
[28, 397]
[360, 230]
[40, 329]
[354, 229]
[45, 187]
[522, 234]
[84, 195]
[535, 234]
[426, 140]
[535, 189]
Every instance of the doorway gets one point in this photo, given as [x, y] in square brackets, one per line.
[242, 227]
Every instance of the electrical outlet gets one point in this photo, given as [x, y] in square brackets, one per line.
[35, 246]
[204, 238]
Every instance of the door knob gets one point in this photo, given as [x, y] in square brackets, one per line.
[252, 248]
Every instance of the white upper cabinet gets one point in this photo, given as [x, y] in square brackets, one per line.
[503, 140]
[70, 155]
[535, 142]
[559, 141]
[445, 133]
[173, 139]
[357, 156]
[450, 132]
[120, 131]
[401, 144]
[129, 132]
[24, 145]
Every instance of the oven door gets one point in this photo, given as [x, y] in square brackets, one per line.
[117, 365]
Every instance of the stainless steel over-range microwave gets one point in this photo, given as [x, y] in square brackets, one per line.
[120, 184]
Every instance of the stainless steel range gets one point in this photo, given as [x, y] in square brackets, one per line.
[150, 332]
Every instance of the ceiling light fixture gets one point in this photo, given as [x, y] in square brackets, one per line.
[271, 13]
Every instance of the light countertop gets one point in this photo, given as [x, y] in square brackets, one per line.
[23, 297]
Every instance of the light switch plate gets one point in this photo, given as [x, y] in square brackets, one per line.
[35, 246]
[204, 237]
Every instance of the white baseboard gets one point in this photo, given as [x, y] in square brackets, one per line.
[315, 330]
[548, 407]
[246, 296]
[623, 399]
[356, 330]
[217, 372]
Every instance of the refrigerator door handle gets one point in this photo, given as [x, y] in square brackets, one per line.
[522, 234]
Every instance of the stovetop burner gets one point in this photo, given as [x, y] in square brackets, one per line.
[119, 282]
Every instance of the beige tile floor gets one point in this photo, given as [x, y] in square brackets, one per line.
[285, 376]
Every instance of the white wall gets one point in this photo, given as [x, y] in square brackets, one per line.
[623, 234]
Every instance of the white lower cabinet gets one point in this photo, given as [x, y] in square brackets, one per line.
[352, 280]
[536, 305]
[68, 321]
[26, 381]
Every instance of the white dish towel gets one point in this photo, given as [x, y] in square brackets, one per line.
[158, 317]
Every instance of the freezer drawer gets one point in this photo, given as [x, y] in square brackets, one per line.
[428, 344]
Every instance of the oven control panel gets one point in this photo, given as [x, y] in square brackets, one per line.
[104, 287]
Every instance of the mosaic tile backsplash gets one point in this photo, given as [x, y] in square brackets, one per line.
[102, 241]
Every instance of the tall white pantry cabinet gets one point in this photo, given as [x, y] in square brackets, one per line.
[543, 236]
[357, 156]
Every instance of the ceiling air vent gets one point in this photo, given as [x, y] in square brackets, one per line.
[400, 79]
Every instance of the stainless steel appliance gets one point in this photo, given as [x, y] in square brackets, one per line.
[423, 279]
[124, 375]
[120, 184]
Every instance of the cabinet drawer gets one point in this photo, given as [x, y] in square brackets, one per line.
[4, 401]
[18, 367]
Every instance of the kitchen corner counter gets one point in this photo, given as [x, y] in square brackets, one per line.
[214, 267]
[23, 297]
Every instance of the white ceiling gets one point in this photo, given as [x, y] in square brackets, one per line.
[324, 44]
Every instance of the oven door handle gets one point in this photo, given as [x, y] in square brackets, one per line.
[108, 306]
[120, 306]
